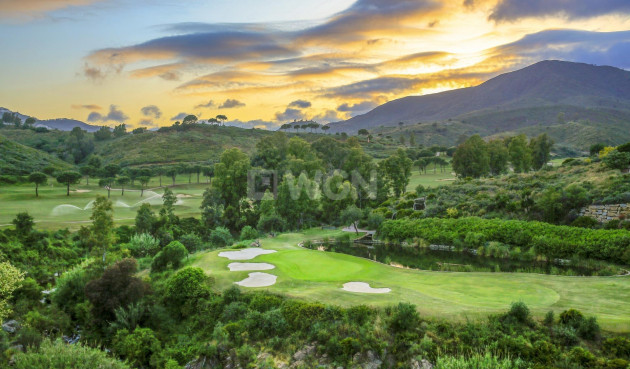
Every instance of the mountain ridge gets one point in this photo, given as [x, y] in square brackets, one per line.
[547, 83]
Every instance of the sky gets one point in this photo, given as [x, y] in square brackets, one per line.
[265, 63]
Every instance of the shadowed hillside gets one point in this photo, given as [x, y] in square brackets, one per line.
[505, 103]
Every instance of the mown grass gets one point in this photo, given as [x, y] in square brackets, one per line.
[319, 276]
[50, 213]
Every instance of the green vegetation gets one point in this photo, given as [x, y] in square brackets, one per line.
[139, 273]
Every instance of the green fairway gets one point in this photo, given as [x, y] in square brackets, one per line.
[54, 210]
[319, 276]
[430, 179]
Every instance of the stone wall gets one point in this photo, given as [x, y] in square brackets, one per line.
[605, 213]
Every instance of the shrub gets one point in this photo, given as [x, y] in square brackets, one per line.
[519, 312]
[617, 347]
[144, 245]
[170, 256]
[59, 355]
[585, 222]
[572, 318]
[192, 242]
[140, 347]
[221, 237]
[185, 288]
[249, 233]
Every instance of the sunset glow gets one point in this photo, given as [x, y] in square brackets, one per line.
[103, 61]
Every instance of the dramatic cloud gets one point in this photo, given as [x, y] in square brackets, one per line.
[209, 104]
[300, 104]
[231, 103]
[179, 117]
[328, 116]
[114, 115]
[290, 114]
[87, 107]
[151, 111]
[602, 48]
[509, 10]
[357, 108]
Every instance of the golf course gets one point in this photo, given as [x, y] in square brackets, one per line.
[320, 276]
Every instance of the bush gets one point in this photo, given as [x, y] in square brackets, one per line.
[170, 256]
[585, 222]
[221, 237]
[185, 288]
[519, 312]
[59, 355]
[192, 242]
[249, 233]
[144, 245]
[617, 347]
[556, 241]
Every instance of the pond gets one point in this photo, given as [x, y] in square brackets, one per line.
[449, 259]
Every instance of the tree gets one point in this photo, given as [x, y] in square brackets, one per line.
[145, 219]
[471, 158]
[397, 169]
[412, 139]
[422, 164]
[168, 209]
[325, 128]
[120, 130]
[38, 179]
[159, 171]
[352, 215]
[87, 172]
[498, 157]
[117, 287]
[122, 182]
[211, 208]
[222, 118]
[272, 150]
[103, 134]
[172, 172]
[69, 178]
[190, 119]
[540, 148]
[23, 223]
[520, 154]
[102, 223]
[364, 132]
[596, 148]
[144, 181]
[170, 256]
[231, 176]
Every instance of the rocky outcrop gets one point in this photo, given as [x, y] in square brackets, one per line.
[606, 213]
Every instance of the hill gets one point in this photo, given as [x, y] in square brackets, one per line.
[199, 143]
[532, 96]
[61, 124]
[17, 159]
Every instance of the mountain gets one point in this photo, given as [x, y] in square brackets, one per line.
[532, 96]
[65, 124]
[62, 124]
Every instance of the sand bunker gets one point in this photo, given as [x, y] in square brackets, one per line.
[258, 280]
[245, 254]
[244, 267]
[182, 196]
[81, 191]
[362, 287]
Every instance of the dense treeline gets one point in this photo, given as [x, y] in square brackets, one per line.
[477, 158]
[547, 240]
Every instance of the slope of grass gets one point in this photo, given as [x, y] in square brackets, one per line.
[319, 276]
[17, 159]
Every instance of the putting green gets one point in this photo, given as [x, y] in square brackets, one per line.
[319, 276]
